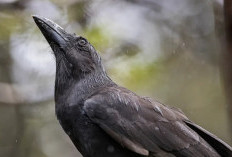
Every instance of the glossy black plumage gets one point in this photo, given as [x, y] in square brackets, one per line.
[106, 120]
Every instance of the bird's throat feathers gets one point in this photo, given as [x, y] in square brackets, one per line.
[82, 84]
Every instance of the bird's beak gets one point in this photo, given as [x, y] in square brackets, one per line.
[53, 33]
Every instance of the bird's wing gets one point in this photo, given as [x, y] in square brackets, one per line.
[220, 146]
[139, 124]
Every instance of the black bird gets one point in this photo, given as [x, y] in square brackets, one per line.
[105, 120]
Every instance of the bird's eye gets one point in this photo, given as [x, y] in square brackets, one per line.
[82, 42]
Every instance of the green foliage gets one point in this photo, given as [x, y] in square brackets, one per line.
[137, 77]
[100, 40]
[7, 24]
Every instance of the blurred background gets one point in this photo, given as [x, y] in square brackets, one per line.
[169, 50]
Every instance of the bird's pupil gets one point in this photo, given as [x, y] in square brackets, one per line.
[82, 42]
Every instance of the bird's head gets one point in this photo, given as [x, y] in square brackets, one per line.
[75, 56]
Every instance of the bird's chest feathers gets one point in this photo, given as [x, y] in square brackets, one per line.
[71, 114]
[76, 124]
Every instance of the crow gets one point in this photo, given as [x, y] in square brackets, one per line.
[104, 119]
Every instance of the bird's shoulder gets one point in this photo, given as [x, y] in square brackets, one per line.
[121, 99]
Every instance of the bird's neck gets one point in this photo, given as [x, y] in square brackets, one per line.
[81, 87]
